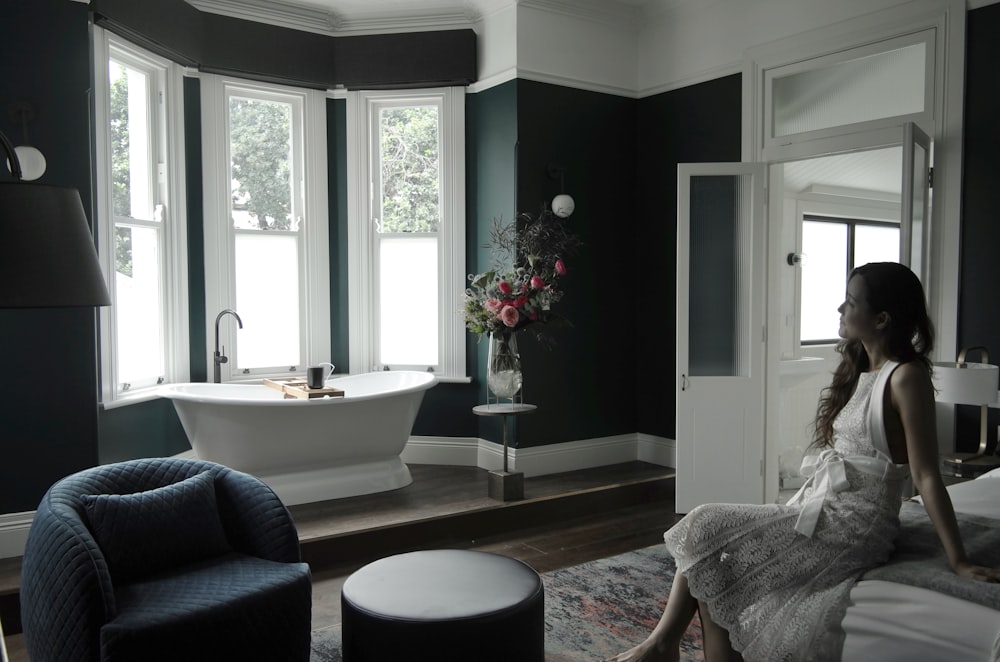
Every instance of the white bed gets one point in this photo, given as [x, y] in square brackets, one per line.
[889, 622]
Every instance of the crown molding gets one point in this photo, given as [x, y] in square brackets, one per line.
[328, 22]
[600, 11]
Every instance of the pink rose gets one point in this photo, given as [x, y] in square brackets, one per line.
[509, 316]
[537, 282]
[493, 305]
[560, 268]
[505, 287]
[520, 301]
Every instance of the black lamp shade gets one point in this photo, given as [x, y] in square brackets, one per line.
[47, 254]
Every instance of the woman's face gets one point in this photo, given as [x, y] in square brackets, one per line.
[857, 319]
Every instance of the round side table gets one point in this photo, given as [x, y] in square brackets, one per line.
[505, 485]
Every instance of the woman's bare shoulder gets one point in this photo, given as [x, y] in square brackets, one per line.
[912, 377]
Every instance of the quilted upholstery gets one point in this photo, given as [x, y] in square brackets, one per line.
[157, 529]
[257, 596]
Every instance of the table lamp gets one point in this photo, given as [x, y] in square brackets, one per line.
[966, 383]
[47, 255]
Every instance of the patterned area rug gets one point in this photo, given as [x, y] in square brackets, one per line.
[592, 611]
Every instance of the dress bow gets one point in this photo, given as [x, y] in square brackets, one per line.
[826, 475]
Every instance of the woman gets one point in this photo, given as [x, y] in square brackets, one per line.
[772, 581]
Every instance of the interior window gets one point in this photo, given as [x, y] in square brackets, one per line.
[832, 247]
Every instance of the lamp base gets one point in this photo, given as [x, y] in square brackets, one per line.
[968, 465]
[506, 485]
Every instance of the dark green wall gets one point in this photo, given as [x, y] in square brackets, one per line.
[979, 310]
[195, 228]
[699, 123]
[584, 384]
[48, 392]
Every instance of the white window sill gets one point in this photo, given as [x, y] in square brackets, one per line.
[140, 395]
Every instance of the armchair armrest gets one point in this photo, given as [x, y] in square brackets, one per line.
[65, 586]
[255, 519]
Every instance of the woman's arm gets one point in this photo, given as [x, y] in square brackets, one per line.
[913, 399]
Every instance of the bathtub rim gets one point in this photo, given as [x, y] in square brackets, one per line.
[175, 392]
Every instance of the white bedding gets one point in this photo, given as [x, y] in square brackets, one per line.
[891, 622]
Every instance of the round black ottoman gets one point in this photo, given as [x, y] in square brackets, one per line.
[444, 605]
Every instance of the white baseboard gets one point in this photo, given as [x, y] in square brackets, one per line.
[14, 533]
[464, 452]
[542, 460]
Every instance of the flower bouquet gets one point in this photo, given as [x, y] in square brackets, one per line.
[519, 291]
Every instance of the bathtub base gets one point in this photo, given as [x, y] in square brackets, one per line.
[323, 484]
[339, 482]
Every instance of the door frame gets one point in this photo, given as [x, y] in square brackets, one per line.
[948, 19]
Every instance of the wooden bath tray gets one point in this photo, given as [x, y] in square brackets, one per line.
[296, 387]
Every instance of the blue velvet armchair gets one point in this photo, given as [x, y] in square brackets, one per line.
[164, 559]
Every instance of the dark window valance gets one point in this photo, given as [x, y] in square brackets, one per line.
[258, 51]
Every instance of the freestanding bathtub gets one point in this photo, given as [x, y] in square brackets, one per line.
[307, 450]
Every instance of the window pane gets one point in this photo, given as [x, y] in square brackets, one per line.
[873, 87]
[824, 274]
[260, 152]
[410, 172]
[408, 301]
[267, 300]
[875, 243]
[131, 167]
[137, 304]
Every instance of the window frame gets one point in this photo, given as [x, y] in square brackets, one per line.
[169, 190]
[309, 174]
[362, 109]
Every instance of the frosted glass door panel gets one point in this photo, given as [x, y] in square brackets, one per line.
[718, 295]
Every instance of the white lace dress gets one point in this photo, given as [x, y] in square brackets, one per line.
[778, 576]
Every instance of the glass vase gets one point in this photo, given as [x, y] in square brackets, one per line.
[503, 370]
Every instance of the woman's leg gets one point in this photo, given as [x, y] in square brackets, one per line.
[716, 637]
[663, 643]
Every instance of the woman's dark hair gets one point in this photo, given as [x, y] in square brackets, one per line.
[894, 289]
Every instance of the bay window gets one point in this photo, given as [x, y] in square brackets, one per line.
[266, 226]
[140, 217]
[407, 230]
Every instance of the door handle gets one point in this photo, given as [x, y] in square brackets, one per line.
[684, 382]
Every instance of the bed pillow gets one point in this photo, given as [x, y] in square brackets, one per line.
[169, 526]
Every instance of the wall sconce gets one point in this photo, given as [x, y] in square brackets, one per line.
[969, 384]
[31, 159]
[562, 204]
[47, 257]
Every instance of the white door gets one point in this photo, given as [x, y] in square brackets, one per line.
[721, 303]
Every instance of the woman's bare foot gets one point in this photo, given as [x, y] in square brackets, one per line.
[648, 651]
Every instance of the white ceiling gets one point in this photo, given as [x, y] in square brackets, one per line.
[877, 170]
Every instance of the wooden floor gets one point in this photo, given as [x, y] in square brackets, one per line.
[565, 519]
